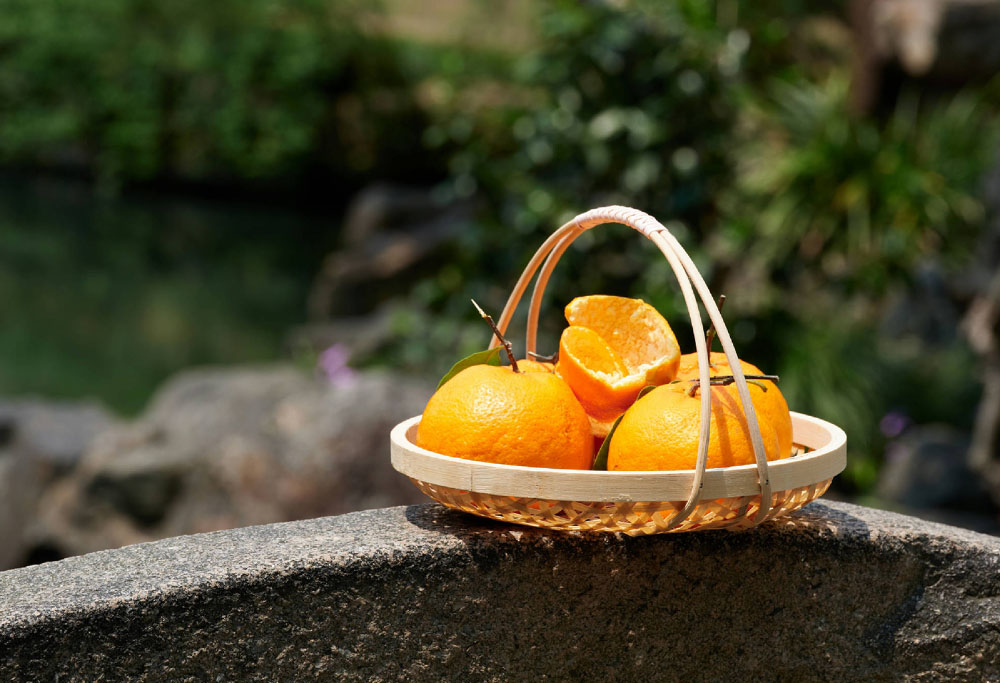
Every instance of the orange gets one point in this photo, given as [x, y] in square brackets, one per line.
[614, 347]
[492, 414]
[525, 365]
[634, 330]
[770, 405]
[660, 432]
[596, 374]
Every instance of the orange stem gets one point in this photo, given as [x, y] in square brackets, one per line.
[508, 347]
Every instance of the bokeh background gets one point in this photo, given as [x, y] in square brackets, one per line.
[238, 239]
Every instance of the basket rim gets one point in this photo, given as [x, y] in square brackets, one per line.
[827, 458]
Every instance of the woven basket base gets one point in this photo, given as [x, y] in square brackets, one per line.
[632, 518]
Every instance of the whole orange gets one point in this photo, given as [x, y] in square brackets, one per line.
[493, 414]
[770, 405]
[660, 432]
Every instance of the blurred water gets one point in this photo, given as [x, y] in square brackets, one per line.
[107, 297]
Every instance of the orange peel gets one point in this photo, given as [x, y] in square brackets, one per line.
[614, 347]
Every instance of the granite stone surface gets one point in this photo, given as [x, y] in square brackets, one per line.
[834, 592]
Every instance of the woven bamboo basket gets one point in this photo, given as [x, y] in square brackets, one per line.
[635, 503]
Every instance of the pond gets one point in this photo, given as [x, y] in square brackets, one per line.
[105, 298]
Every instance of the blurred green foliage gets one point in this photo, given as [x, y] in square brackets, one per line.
[728, 120]
[708, 116]
[259, 90]
[829, 218]
[855, 202]
[612, 107]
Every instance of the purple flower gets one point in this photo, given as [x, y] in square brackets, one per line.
[332, 362]
[893, 423]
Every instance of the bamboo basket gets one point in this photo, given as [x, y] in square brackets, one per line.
[635, 503]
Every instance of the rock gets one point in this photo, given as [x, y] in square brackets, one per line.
[388, 232]
[53, 432]
[926, 468]
[221, 448]
[832, 592]
[360, 336]
[19, 486]
[40, 441]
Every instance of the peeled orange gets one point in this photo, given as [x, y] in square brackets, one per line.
[614, 347]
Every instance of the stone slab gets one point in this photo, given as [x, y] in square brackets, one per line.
[835, 592]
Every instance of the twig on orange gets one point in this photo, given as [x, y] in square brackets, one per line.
[506, 344]
[710, 335]
[723, 380]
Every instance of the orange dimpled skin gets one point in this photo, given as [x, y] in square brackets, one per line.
[525, 365]
[493, 414]
[660, 432]
[770, 405]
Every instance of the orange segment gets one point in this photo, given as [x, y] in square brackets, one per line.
[588, 346]
[634, 330]
[601, 428]
[595, 373]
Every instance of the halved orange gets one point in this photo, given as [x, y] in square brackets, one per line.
[614, 347]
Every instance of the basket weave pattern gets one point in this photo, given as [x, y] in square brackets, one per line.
[631, 518]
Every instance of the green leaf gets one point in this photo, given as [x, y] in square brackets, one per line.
[645, 390]
[601, 459]
[487, 357]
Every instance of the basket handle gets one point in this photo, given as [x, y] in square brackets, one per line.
[687, 275]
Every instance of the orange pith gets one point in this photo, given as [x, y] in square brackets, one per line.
[493, 414]
[660, 432]
[595, 373]
[634, 330]
[614, 347]
[769, 405]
